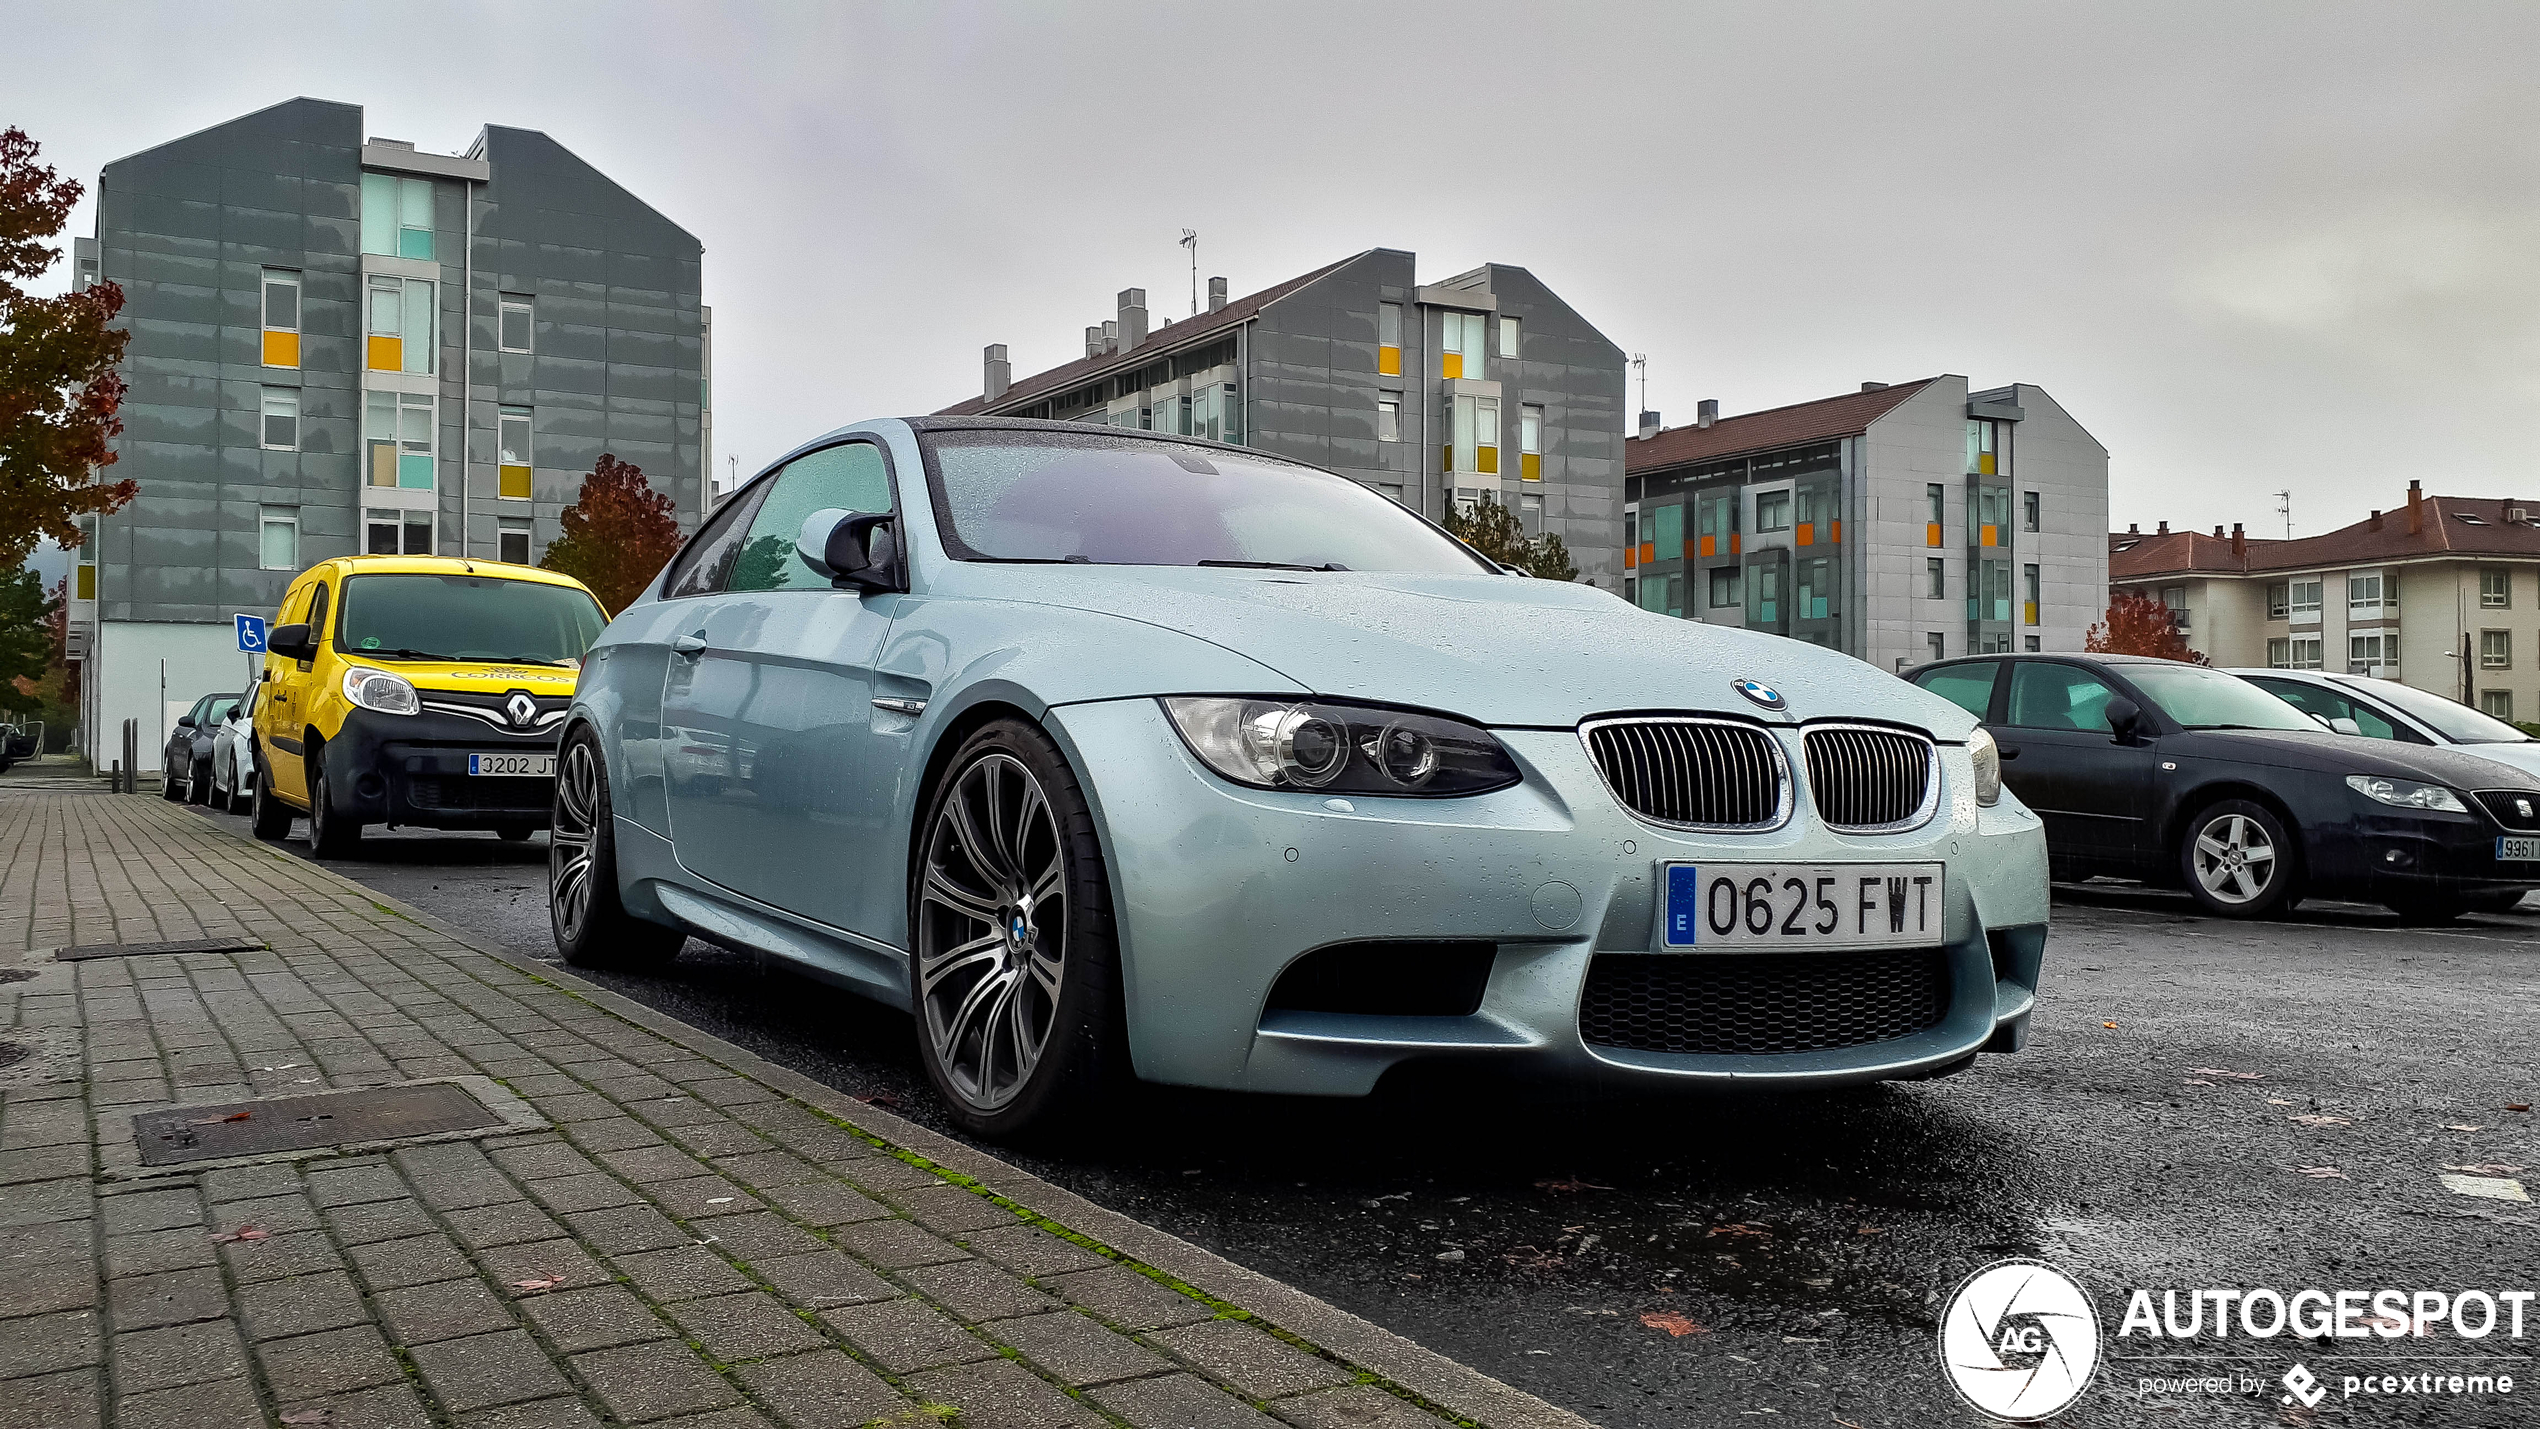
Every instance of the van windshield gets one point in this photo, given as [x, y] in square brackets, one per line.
[460, 617]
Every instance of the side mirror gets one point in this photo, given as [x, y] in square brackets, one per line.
[185, 721]
[2343, 725]
[291, 642]
[2124, 716]
[856, 550]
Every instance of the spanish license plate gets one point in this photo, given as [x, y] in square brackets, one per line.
[2517, 850]
[1748, 907]
[513, 766]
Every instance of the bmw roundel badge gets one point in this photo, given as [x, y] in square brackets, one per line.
[1761, 693]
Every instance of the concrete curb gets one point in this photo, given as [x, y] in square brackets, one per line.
[1457, 1388]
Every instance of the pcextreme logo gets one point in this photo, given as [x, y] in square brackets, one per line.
[2019, 1340]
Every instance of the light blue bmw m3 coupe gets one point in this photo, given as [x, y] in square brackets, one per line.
[1107, 753]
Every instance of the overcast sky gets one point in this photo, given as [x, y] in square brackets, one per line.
[2250, 247]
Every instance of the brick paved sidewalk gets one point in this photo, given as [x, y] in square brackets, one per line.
[692, 1238]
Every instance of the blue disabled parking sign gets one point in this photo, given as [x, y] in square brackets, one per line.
[251, 633]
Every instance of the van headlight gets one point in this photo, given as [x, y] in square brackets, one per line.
[2404, 794]
[1987, 757]
[1340, 749]
[378, 690]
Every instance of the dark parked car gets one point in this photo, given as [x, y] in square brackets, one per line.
[2181, 775]
[185, 771]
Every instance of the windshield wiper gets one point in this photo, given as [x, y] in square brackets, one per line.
[1274, 565]
[402, 653]
[1035, 560]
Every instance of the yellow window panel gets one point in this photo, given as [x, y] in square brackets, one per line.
[387, 354]
[87, 587]
[515, 483]
[2032, 612]
[1984, 464]
[1389, 361]
[282, 349]
[1446, 457]
[1486, 460]
[1530, 466]
[1450, 364]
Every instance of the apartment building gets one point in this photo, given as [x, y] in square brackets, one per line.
[1485, 382]
[344, 344]
[1902, 523]
[2442, 593]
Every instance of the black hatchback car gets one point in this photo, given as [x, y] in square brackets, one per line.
[2185, 776]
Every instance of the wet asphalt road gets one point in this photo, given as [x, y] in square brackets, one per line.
[1807, 1242]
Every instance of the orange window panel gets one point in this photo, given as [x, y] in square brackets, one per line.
[1389, 361]
[1530, 467]
[1631, 557]
[1648, 552]
[1807, 533]
[1486, 460]
[1688, 548]
[1737, 542]
[515, 483]
[1992, 536]
[1710, 545]
[387, 354]
[1931, 534]
[1450, 364]
[1838, 533]
[282, 349]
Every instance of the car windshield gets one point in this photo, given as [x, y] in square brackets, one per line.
[1009, 495]
[466, 617]
[2453, 720]
[2200, 698]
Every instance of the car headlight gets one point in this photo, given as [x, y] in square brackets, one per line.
[381, 691]
[1987, 757]
[2402, 794]
[1340, 749]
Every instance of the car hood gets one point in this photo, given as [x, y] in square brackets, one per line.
[2354, 754]
[1504, 650]
[474, 677]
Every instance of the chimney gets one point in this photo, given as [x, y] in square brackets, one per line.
[1111, 336]
[1649, 426]
[1093, 341]
[2218, 533]
[2165, 529]
[2416, 509]
[1873, 386]
[1216, 294]
[2134, 528]
[2373, 522]
[998, 372]
[1706, 411]
[2239, 543]
[1133, 318]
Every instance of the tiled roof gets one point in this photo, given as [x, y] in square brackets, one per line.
[1162, 340]
[2453, 525]
[1828, 417]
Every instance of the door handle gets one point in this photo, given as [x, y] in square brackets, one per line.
[2007, 751]
[690, 645]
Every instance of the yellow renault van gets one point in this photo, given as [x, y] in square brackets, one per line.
[417, 690]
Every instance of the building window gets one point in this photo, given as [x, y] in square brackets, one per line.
[1816, 589]
[1935, 579]
[2306, 653]
[1939, 498]
[1530, 510]
[2497, 703]
[1663, 595]
[1767, 591]
[1935, 647]
[400, 440]
[396, 533]
[277, 539]
[396, 216]
[2364, 655]
[2174, 597]
[1988, 516]
[282, 318]
[400, 325]
[2030, 644]
[2276, 598]
[1389, 419]
[1724, 588]
[512, 542]
[2496, 590]
[513, 474]
[2495, 649]
[1664, 529]
[1473, 444]
[2363, 595]
[2279, 653]
[1772, 510]
[2029, 585]
[2029, 512]
[1460, 348]
[2303, 605]
[1392, 491]
[1529, 441]
[1389, 339]
[1508, 338]
[512, 323]
[1983, 458]
[281, 419]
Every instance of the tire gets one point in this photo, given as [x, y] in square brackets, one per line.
[331, 835]
[198, 785]
[2235, 858]
[515, 833]
[584, 911]
[169, 789]
[982, 962]
[268, 817]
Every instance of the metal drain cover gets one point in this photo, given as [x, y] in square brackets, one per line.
[205, 1133]
[85, 951]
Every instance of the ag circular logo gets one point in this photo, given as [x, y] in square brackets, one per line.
[1761, 693]
[2019, 1340]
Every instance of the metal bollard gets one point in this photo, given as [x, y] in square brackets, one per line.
[132, 756]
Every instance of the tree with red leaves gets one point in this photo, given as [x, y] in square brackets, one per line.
[617, 535]
[59, 390]
[2137, 624]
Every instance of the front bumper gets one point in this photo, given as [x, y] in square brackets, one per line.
[412, 770]
[2391, 853]
[1218, 889]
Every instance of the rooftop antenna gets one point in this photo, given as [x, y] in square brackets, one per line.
[2284, 508]
[1190, 240]
[1640, 366]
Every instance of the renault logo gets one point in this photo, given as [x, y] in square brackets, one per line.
[521, 708]
[1761, 693]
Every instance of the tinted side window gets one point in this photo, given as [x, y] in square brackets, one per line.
[850, 478]
[1969, 687]
[707, 562]
[317, 614]
[2058, 697]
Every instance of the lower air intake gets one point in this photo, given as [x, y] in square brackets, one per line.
[1758, 1005]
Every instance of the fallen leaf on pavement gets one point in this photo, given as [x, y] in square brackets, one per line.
[2107, 1024]
[1742, 1231]
[2517, 1106]
[245, 1233]
[216, 1120]
[2315, 1119]
[881, 1099]
[2279, 1101]
[2322, 1173]
[2485, 1168]
[2455, 1126]
[1846, 1423]
[1572, 1183]
[2198, 1082]
[532, 1287]
[2220, 1072]
[1674, 1324]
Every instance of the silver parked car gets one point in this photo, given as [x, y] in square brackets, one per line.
[234, 755]
[2386, 709]
[1110, 753]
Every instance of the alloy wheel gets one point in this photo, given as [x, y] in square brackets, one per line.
[992, 931]
[2234, 860]
[570, 839]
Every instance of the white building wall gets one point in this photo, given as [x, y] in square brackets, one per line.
[199, 660]
[1921, 441]
[2052, 455]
